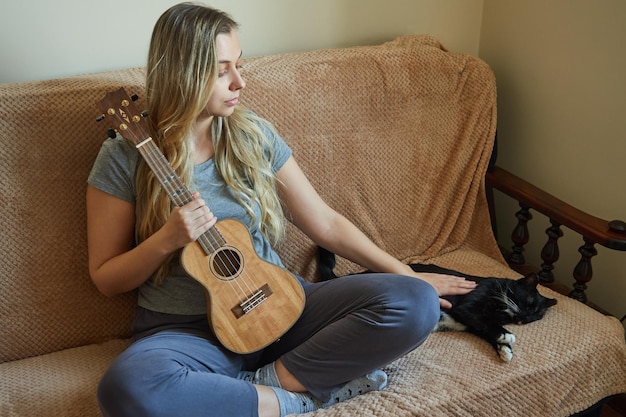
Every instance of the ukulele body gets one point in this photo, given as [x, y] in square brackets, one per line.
[251, 303]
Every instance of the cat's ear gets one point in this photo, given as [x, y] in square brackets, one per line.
[549, 302]
[530, 281]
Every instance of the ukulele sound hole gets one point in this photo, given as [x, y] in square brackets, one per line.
[226, 263]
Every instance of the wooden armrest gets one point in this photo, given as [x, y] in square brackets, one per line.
[594, 230]
[611, 234]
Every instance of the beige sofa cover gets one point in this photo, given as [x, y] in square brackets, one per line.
[396, 136]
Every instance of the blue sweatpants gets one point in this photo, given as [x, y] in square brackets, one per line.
[349, 327]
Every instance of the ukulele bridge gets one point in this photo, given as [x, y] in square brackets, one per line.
[252, 302]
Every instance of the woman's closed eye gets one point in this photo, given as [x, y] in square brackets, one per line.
[226, 70]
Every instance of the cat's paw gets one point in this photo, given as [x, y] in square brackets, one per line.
[503, 347]
[507, 338]
[447, 323]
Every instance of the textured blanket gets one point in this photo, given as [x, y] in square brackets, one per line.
[396, 137]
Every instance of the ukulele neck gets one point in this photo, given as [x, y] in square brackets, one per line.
[176, 189]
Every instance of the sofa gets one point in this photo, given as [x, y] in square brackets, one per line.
[398, 137]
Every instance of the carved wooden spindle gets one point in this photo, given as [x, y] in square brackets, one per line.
[520, 236]
[550, 252]
[583, 271]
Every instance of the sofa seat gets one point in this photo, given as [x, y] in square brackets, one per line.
[64, 381]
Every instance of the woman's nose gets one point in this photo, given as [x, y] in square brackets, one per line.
[238, 82]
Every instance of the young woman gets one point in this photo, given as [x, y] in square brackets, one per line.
[350, 327]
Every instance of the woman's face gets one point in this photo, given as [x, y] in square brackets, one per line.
[229, 83]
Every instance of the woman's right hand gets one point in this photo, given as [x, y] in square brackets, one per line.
[187, 223]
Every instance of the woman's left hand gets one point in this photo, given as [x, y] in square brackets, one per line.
[446, 285]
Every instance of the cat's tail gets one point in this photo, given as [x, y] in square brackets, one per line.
[326, 263]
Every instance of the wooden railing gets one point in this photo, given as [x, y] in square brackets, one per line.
[593, 230]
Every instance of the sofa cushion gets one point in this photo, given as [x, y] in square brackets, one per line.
[57, 384]
[47, 300]
[396, 137]
[562, 364]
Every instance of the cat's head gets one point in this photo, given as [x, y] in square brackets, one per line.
[528, 304]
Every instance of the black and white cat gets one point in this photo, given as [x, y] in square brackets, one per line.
[484, 311]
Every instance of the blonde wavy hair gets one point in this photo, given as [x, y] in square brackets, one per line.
[181, 72]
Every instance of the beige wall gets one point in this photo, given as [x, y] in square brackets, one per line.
[561, 67]
[41, 39]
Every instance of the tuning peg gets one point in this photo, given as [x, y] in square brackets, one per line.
[100, 118]
[111, 133]
[144, 113]
[134, 97]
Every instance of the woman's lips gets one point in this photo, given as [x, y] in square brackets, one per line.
[233, 102]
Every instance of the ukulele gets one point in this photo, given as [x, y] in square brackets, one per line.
[251, 303]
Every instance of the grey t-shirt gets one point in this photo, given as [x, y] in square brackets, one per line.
[113, 172]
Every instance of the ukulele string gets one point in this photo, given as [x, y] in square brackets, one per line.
[180, 195]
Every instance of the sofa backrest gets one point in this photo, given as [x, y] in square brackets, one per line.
[396, 137]
[50, 139]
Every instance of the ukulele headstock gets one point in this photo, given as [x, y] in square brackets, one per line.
[119, 110]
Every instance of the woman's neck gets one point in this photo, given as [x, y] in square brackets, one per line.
[201, 142]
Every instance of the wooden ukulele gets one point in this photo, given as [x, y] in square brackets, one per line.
[250, 302]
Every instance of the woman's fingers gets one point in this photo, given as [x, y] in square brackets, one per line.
[447, 285]
[190, 221]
